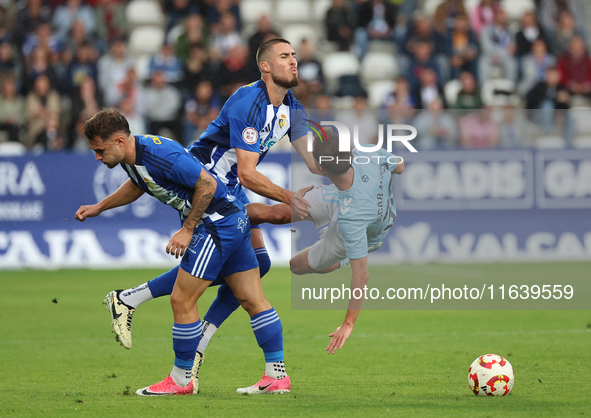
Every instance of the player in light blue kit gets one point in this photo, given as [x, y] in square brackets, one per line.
[214, 241]
[359, 209]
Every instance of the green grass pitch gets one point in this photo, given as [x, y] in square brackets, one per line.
[58, 357]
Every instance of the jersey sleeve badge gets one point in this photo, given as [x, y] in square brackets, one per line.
[250, 135]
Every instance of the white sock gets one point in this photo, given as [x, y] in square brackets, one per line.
[275, 369]
[181, 377]
[135, 296]
[208, 330]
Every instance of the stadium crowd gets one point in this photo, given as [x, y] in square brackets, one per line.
[63, 60]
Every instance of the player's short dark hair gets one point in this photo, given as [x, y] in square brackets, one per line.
[105, 123]
[263, 51]
[329, 147]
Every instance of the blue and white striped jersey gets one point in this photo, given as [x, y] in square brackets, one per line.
[248, 120]
[167, 171]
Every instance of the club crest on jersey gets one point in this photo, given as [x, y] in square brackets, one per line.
[250, 135]
[282, 121]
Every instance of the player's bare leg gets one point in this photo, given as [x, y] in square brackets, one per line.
[267, 329]
[186, 334]
[299, 264]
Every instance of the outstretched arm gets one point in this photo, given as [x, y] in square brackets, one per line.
[301, 146]
[358, 281]
[126, 193]
[255, 181]
[204, 191]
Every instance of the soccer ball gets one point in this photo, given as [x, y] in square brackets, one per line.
[491, 375]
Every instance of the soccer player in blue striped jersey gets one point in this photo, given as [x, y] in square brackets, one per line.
[214, 241]
[253, 119]
[359, 209]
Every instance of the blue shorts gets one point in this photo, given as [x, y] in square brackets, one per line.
[220, 248]
[238, 193]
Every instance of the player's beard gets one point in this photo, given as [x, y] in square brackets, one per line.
[285, 82]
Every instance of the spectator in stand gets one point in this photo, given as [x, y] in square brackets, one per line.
[112, 70]
[422, 59]
[406, 10]
[435, 127]
[482, 15]
[322, 109]
[575, 68]
[565, 31]
[111, 22]
[196, 69]
[215, 10]
[82, 66]
[264, 31]
[137, 124]
[535, 66]
[194, 33]
[86, 102]
[446, 14]
[200, 110]
[310, 68]
[497, 49]
[530, 32]
[28, 18]
[9, 64]
[376, 20]
[553, 100]
[400, 98]
[422, 31]
[43, 110]
[515, 129]
[548, 93]
[551, 11]
[339, 23]
[12, 110]
[226, 36]
[428, 90]
[176, 10]
[469, 97]
[131, 91]
[479, 130]
[41, 37]
[237, 70]
[78, 36]
[168, 63]
[39, 64]
[462, 47]
[65, 16]
[163, 103]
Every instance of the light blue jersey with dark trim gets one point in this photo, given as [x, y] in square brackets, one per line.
[367, 210]
[248, 120]
[167, 171]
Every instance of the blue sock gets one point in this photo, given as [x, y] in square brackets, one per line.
[163, 284]
[185, 339]
[225, 302]
[263, 259]
[267, 329]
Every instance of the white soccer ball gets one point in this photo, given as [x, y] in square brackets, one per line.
[491, 375]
